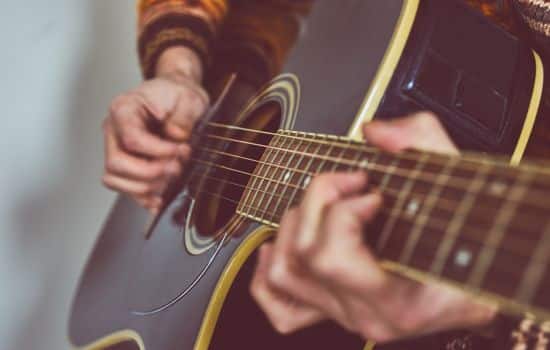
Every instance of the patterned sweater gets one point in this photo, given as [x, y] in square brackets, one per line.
[265, 30]
[259, 34]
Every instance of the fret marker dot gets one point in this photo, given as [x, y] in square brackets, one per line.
[307, 180]
[497, 188]
[463, 258]
[412, 207]
[287, 176]
[364, 163]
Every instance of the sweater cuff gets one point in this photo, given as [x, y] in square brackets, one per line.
[173, 30]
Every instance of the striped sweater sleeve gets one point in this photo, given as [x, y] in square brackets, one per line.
[536, 16]
[521, 16]
[166, 23]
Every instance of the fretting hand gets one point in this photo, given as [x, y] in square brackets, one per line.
[319, 268]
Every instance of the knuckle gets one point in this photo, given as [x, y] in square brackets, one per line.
[195, 101]
[155, 172]
[145, 190]
[255, 290]
[131, 141]
[106, 181]
[320, 183]
[279, 275]
[327, 267]
[305, 251]
[112, 164]
[119, 105]
[283, 325]
[322, 188]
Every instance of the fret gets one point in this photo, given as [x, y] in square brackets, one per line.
[424, 216]
[336, 155]
[399, 205]
[367, 162]
[360, 162]
[349, 156]
[541, 297]
[380, 180]
[321, 166]
[466, 249]
[394, 165]
[262, 173]
[538, 264]
[285, 179]
[302, 179]
[278, 168]
[245, 204]
[496, 234]
[519, 240]
[457, 221]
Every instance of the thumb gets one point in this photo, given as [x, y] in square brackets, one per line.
[421, 131]
[191, 104]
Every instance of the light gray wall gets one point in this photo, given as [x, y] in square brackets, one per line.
[61, 62]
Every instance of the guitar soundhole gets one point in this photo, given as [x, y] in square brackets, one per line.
[228, 158]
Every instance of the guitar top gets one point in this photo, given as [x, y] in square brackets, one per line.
[476, 222]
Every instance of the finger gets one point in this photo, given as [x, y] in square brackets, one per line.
[128, 121]
[342, 233]
[285, 313]
[176, 105]
[128, 186]
[421, 131]
[121, 164]
[135, 138]
[324, 190]
[285, 274]
[190, 107]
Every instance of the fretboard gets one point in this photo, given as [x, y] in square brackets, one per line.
[474, 221]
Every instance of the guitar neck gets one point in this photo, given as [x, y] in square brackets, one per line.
[470, 220]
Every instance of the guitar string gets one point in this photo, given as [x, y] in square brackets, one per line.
[346, 145]
[448, 204]
[532, 199]
[403, 172]
[438, 226]
[430, 178]
[261, 145]
[395, 193]
[500, 161]
[389, 192]
[523, 216]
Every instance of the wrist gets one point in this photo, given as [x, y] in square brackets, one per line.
[179, 63]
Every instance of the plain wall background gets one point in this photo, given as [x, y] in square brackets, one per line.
[61, 62]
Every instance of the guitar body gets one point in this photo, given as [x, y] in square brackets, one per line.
[186, 286]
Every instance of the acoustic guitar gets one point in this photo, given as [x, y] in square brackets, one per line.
[477, 222]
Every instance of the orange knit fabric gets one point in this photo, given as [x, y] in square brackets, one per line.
[269, 27]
